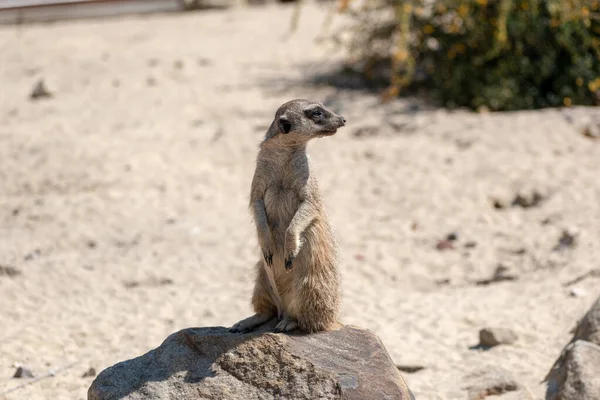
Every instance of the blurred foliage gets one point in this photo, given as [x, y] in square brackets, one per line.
[493, 54]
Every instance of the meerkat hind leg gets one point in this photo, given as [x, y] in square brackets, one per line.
[250, 323]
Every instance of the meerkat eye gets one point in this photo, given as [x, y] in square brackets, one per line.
[317, 113]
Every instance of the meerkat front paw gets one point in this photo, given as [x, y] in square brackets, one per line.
[286, 324]
[268, 256]
[288, 262]
[267, 250]
[291, 248]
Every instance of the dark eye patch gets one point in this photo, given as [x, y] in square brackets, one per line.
[316, 113]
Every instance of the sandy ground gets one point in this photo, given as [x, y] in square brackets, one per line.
[123, 202]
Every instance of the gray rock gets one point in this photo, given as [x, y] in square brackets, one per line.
[576, 373]
[494, 336]
[579, 375]
[211, 363]
[589, 327]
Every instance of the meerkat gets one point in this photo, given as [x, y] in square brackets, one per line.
[297, 279]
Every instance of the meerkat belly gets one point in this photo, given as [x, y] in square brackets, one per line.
[281, 205]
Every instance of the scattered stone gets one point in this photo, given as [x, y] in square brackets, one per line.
[577, 377]
[443, 282]
[258, 365]
[591, 131]
[90, 373]
[574, 375]
[492, 381]
[218, 135]
[589, 327]
[501, 274]
[528, 200]
[522, 199]
[444, 245]
[22, 372]
[151, 81]
[10, 271]
[32, 255]
[152, 282]
[464, 144]
[498, 204]
[491, 337]
[471, 245]
[410, 369]
[577, 292]
[452, 237]
[92, 244]
[359, 257]
[567, 240]
[40, 91]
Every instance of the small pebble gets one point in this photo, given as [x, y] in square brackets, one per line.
[444, 245]
[10, 271]
[567, 240]
[40, 91]
[452, 236]
[495, 336]
[23, 373]
[577, 292]
[591, 131]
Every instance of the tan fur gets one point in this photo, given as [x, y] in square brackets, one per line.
[292, 225]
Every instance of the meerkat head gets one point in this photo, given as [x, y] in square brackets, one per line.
[300, 120]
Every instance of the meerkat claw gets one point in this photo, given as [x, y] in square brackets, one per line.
[286, 324]
[288, 262]
[268, 258]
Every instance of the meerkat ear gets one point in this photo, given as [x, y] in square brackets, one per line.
[285, 125]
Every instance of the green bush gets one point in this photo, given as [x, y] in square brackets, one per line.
[494, 54]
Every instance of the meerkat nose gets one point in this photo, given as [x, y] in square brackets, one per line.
[343, 120]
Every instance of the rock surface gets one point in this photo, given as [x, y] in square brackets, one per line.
[578, 378]
[211, 363]
[576, 373]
